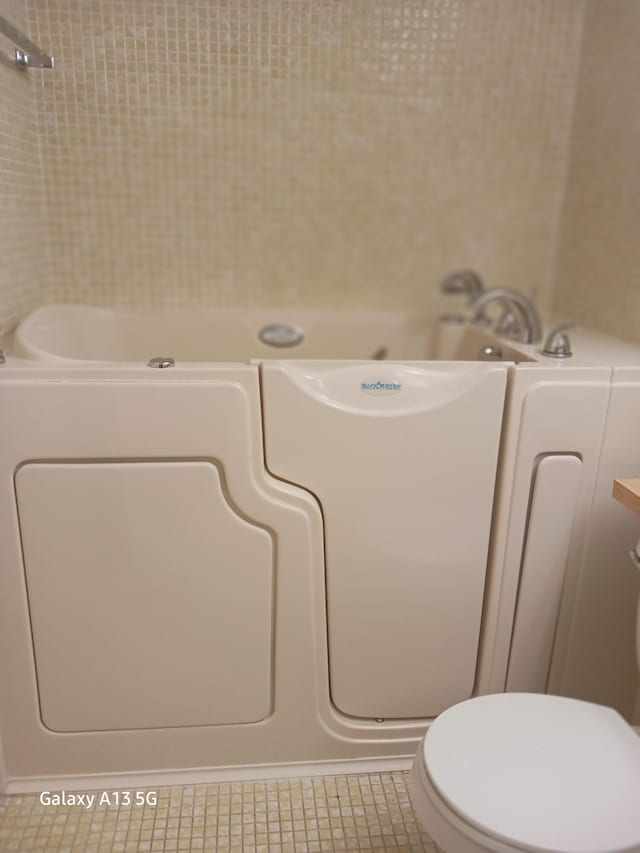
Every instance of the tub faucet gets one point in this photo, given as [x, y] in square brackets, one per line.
[529, 330]
[466, 282]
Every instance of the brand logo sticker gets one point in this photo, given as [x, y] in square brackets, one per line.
[380, 388]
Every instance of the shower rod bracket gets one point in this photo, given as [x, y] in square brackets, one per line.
[28, 54]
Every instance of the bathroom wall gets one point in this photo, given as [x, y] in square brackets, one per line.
[23, 250]
[598, 274]
[316, 152]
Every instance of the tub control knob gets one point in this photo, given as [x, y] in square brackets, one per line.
[557, 344]
[161, 361]
[490, 353]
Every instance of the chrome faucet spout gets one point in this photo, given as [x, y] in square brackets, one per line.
[531, 331]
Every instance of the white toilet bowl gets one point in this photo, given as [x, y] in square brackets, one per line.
[529, 772]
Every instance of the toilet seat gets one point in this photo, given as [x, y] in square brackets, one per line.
[530, 772]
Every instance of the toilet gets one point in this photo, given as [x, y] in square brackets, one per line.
[529, 772]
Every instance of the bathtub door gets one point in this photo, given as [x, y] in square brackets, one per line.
[141, 552]
[402, 458]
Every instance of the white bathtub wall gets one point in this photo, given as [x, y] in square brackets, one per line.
[312, 152]
[598, 276]
[23, 253]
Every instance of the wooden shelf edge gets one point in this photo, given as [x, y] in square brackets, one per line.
[627, 492]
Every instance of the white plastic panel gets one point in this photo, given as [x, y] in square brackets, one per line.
[403, 460]
[550, 410]
[600, 662]
[548, 536]
[150, 597]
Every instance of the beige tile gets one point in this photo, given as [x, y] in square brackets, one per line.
[258, 153]
[25, 825]
[597, 280]
[23, 238]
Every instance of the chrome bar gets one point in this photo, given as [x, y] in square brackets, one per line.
[28, 54]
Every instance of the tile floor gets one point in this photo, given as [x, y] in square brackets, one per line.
[369, 811]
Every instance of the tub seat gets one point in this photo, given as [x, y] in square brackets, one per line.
[528, 772]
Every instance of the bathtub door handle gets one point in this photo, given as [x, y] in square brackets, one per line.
[556, 482]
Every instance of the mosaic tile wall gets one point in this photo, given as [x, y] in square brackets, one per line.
[598, 277]
[23, 255]
[312, 152]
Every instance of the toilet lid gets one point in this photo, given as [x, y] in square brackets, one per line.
[540, 772]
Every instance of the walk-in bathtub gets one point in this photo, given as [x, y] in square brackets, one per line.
[82, 333]
[276, 558]
[78, 333]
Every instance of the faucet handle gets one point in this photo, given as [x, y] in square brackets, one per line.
[463, 281]
[557, 344]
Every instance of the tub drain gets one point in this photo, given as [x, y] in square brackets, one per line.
[281, 335]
